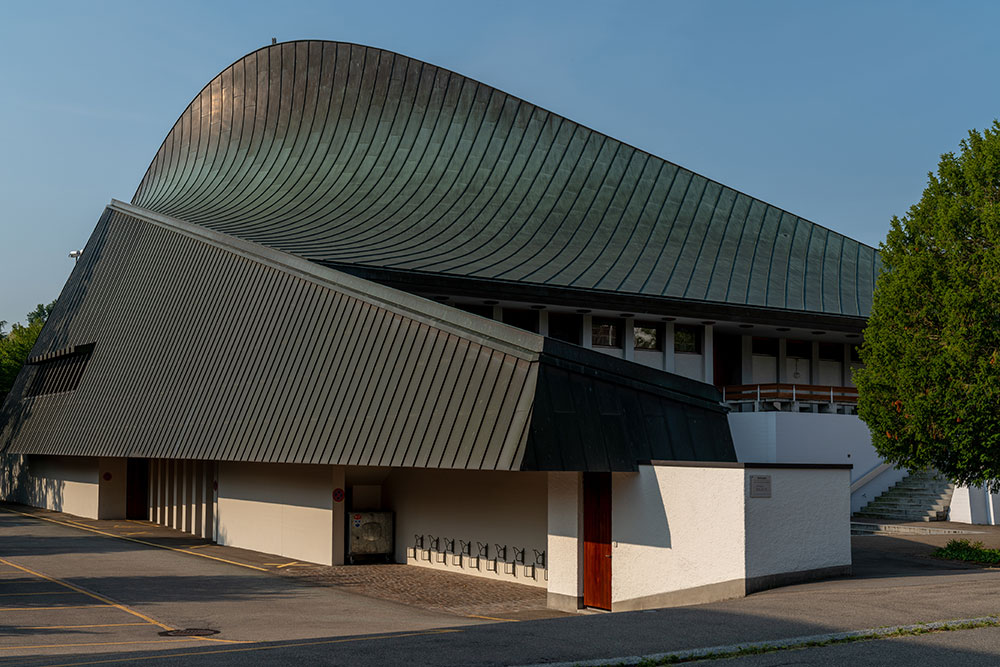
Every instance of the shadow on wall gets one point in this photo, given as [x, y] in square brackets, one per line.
[19, 485]
[639, 505]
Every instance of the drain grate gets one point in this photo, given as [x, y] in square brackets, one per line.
[189, 632]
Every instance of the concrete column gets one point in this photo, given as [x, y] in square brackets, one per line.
[845, 366]
[814, 363]
[746, 359]
[498, 313]
[588, 332]
[628, 338]
[708, 352]
[171, 493]
[151, 499]
[213, 519]
[668, 347]
[782, 373]
[543, 322]
[339, 516]
[564, 549]
[198, 499]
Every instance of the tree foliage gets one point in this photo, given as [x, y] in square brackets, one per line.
[930, 387]
[15, 346]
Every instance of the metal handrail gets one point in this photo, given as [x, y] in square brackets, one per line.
[781, 391]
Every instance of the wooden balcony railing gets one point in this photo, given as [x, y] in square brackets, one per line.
[794, 393]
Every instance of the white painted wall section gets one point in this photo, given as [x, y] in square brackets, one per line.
[675, 528]
[803, 526]
[975, 505]
[506, 508]
[283, 509]
[565, 539]
[61, 483]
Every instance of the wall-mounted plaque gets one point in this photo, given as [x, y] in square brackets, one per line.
[760, 486]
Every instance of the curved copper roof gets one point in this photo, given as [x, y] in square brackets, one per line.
[349, 155]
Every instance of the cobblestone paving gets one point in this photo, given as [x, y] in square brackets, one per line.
[460, 594]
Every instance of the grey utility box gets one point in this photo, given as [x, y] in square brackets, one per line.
[369, 535]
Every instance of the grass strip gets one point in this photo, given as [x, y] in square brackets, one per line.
[970, 552]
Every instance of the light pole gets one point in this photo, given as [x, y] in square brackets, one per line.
[75, 255]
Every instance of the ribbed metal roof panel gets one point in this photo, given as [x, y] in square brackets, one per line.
[357, 156]
[209, 347]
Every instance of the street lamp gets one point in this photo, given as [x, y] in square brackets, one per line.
[75, 255]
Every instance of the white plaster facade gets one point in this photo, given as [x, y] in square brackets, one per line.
[975, 505]
[806, 437]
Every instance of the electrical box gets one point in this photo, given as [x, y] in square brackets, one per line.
[369, 535]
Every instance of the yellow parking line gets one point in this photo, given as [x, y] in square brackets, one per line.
[65, 606]
[148, 641]
[2, 595]
[100, 598]
[138, 532]
[197, 546]
[74, 627]
[493, 618]
[247, 649]
[132, 539]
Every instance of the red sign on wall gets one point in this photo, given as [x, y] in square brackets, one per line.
[338, 495]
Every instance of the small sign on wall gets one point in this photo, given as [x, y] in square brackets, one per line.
[760, 486]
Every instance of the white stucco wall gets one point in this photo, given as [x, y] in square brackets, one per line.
[675, 528]
[807, 437]
[804, 525]
[281, 509]
[764, 369]
[506, 508]
[61, 483]
[975, 505]
[112, 487]
[565, 534]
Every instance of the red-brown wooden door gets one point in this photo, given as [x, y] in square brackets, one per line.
[597, 540]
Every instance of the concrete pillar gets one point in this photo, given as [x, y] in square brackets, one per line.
[198, 504]
[498, 313]
[708, 352]
[782, 373]
[564, 549]
[814, 363]
[628, 338]
[588, 332]
[543, 322]
[746, 359]
[213, 487]
[845, 366]
[668, 347]
[171, 493]
[339, 516]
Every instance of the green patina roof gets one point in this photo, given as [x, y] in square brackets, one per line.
[355, 156]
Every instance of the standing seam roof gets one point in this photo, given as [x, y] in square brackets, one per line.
[351, 155]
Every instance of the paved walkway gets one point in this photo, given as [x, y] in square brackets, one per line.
[288, 622]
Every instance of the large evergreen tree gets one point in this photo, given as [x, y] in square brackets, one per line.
[930, 388]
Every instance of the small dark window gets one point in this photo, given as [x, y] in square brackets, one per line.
[59, 372]
[522, 319]
[765, 346]
[831, 351]
[648, 336]
[687, 338]
[855, 355]
[606, 332]
[566, 326]
[476, 309]
[799, 349]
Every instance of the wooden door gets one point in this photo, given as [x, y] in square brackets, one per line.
[137, 489]
[597, 540]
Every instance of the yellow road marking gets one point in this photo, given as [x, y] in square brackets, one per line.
[73, 627]
[140, 523]
[66, 606]
[197, 546]
[148, 641]
[95, 596]
[247, 649]
[138, 532]
[40, 593]
[132, 539]
[493, 618]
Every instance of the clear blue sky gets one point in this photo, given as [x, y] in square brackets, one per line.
[835, 111]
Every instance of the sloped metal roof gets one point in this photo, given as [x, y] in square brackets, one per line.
[354, 156]
[206, 346]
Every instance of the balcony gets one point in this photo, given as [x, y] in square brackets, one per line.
[790, 398]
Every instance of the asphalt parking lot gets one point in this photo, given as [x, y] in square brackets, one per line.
[75, 594]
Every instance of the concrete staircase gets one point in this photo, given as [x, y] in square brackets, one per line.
[923, 495]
